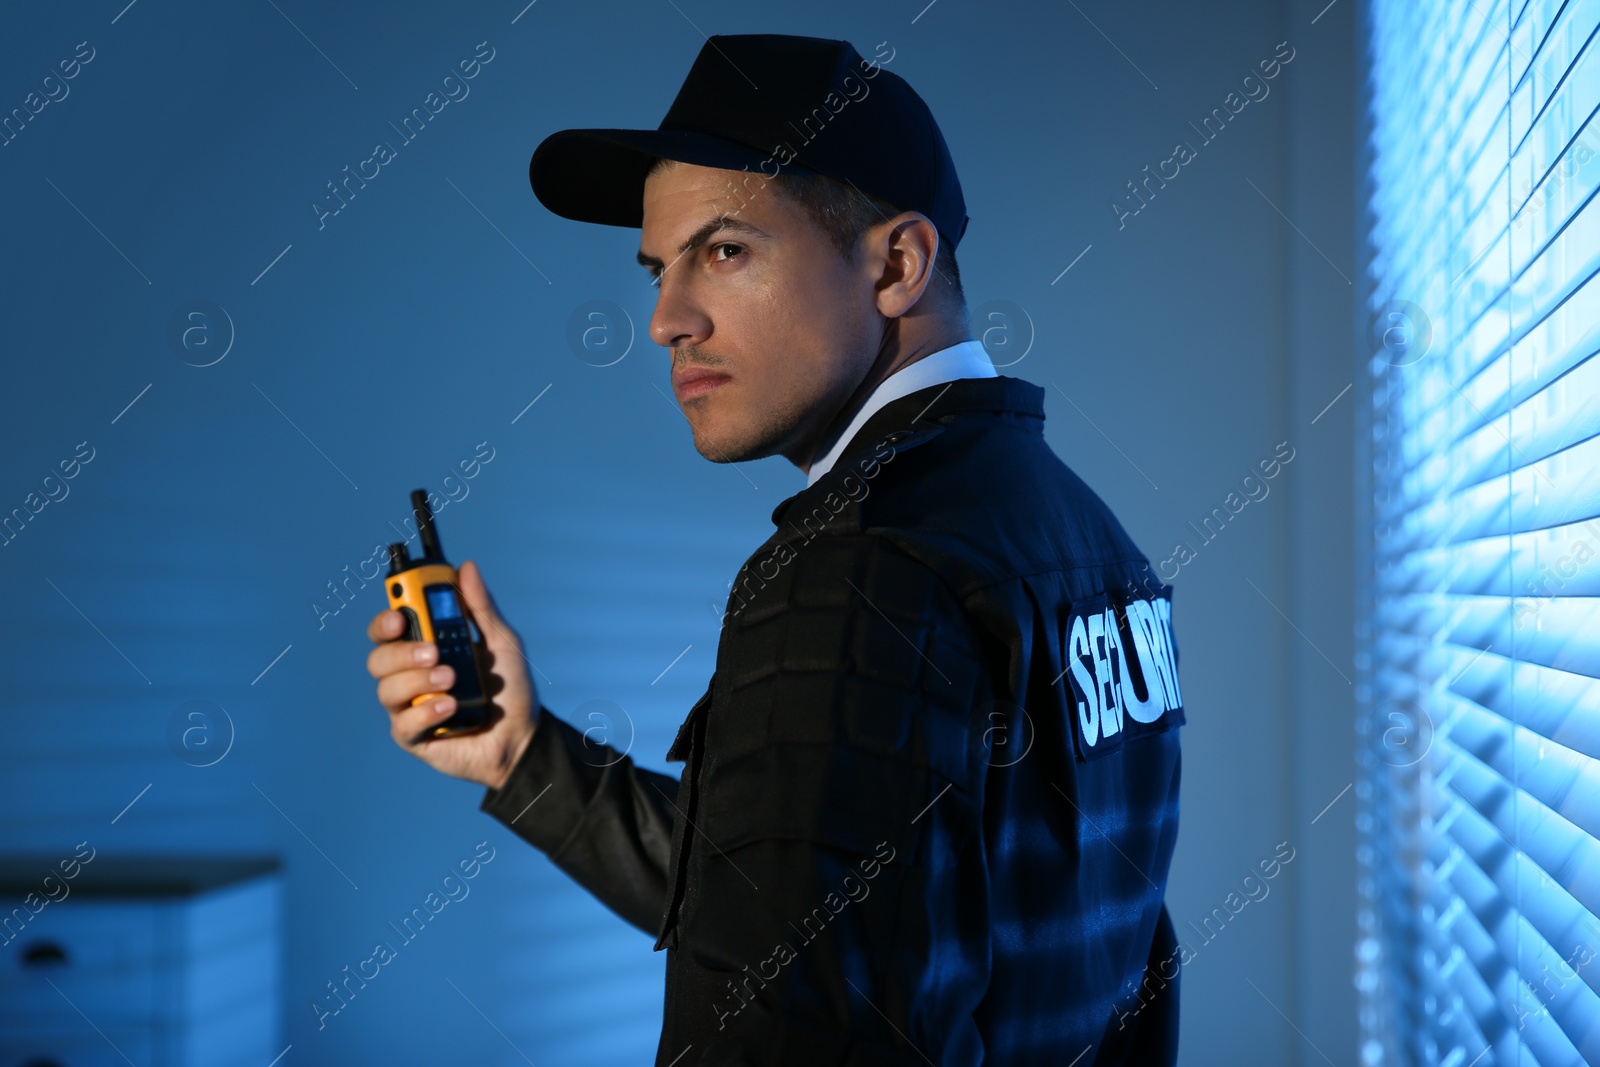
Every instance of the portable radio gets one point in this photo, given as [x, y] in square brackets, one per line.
[427, 592]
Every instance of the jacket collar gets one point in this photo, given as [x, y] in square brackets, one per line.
[921, 416]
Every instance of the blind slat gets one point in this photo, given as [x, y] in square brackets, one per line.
[1479, 798]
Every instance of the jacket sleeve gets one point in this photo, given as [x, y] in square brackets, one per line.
[601, 819]
[842, 913]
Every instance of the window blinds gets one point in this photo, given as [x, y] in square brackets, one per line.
[1479, 787]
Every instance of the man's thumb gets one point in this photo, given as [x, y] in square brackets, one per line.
[476, 594]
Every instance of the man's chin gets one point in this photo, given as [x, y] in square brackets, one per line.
[733, 448]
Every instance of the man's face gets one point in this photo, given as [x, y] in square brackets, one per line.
[765, 302]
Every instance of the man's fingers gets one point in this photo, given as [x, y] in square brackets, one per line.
[407, 725]
[397, 691]
[392, 656]
[386, 625]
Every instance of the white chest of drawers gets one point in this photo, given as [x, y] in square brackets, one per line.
[159, 962]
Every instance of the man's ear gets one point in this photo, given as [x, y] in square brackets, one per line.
[902, 251]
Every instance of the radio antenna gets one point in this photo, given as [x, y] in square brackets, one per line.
[425, 529]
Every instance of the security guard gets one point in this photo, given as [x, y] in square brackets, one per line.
[930, 795]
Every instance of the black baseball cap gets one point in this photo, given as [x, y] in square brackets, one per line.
[766, 103]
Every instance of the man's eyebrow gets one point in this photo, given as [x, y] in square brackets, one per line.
[701, 235]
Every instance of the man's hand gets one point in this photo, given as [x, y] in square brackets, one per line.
[404, 671]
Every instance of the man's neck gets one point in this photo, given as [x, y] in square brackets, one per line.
[891, 359]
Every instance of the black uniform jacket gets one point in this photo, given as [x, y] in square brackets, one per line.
[931, 793]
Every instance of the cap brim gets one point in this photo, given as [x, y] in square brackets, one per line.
[598, 175]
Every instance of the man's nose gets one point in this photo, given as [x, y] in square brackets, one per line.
[677, 319]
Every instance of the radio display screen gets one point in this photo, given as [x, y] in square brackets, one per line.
[442, 603]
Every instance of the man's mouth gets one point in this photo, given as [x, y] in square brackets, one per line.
[697, 381]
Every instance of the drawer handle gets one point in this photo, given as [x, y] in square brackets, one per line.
[44, 954]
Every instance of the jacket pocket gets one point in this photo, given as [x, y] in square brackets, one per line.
[838, 795]
[679, 750]
[686, 748]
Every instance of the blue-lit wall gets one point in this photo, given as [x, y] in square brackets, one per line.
[372, 350]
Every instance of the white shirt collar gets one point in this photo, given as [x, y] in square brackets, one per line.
[967, 359]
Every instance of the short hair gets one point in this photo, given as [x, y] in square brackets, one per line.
[844, 213]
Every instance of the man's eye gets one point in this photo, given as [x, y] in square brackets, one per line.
[655, 279]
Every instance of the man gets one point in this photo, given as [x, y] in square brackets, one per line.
[930, 795]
